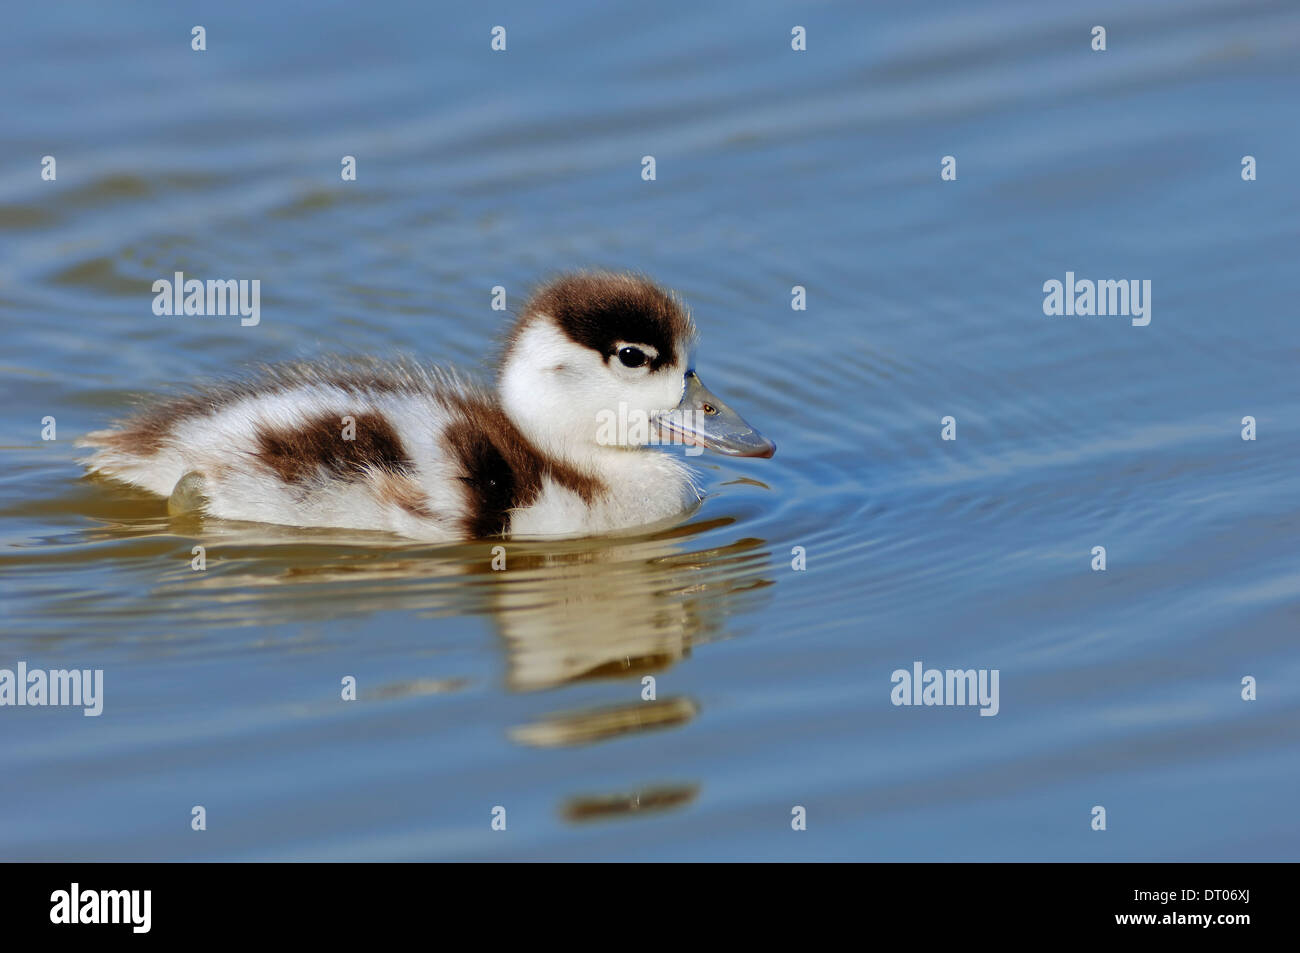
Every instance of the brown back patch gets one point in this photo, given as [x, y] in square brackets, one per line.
[301, 452]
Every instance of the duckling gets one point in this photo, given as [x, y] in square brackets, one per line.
[596, 371]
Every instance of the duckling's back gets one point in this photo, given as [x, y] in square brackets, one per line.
[355, 445]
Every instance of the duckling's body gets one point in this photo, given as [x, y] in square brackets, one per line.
[420, 452]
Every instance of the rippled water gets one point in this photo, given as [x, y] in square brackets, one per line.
[523, 689]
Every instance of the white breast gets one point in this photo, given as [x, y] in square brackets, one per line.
[643, 486]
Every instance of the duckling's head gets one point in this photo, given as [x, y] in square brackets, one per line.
[603, 360]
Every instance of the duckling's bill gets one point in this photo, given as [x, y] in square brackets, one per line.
[703, 420]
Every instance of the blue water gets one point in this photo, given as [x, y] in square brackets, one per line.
[775, 168]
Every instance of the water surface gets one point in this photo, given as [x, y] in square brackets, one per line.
[523, 689]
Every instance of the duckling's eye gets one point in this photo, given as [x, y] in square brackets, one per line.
[631, 356]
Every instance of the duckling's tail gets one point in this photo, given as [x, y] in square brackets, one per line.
[131, 454]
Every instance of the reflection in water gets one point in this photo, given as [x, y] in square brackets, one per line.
[620, 608]
[616, 607]
[603, 607]
[597, 724]
[649, 800]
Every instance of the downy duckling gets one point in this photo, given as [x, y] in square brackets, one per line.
[597, 368]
